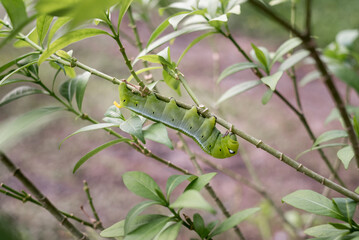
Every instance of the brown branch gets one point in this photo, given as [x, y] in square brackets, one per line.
[45, 202]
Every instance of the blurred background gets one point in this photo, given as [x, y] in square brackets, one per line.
[39, 157]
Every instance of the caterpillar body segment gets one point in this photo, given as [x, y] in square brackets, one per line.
[189, 122]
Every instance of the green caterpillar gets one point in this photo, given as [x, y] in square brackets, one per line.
[189, 122]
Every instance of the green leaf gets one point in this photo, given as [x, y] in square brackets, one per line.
[81, 83]
[175, 20]
[272, 80]
[170, 233]
[330, 135]
[285, 48]
[153, 58]
[32, 35]
[16, 71]
[199, 226]
[260, 56]
[347, 37]
[172, 35]
[116, 230]
[124, 5]
[310, 77]
[16, 10]
[294, 59]
[89, 128]
[345, 155]
[15, 61]
[238, 89]
[235, 68]
[323, 231]
[143, 70]
[67, 39]
[347, 207]
[194, 42]
[14, 129]
[201, 181]
[67, 89]
[97, 150]
[233, 221]
[192, 199]
[133, 126]
[348, 76]
[142, 185]
[267, 96]
[320, 147]
[171, 82]
[149, 230]
[134, 212]
[157, 132]
[10, 81]
[313, 202]
[20, 92]
[61, 21]
[173, 181]
[42, 26]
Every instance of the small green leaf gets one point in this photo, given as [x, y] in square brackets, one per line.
[16, 10]
[173, 181]
[134, 212]
[170, 233]
[10, 81]
[67, 89]
[235, 68]
[157, 132]
[285, 48]
[330, 135]
[347, 37]
[124, 5]
[324, 231]
[149, 230]
[172, 35]
[320, 147]
[67, 39]
[42, 26]
[142, 185]
[192, 199]
[81, 83]
[310, 77]
[32, 35]
[194, 42]
[272, 80]
[59, 22]
[113, 111]
[15, 61]
[294, 59]
[63, 54]
[267, 96]
[116, 230]
[175, 20]
[313, 202]
[153, 58]
[201, 181]
[238, 89]
[171, 82]
[199, 226]
[14, 129]
[4, 79]
[233, 221]
[97, 150]
[89, 128]
[261, 57]
[345, 155]
[20, 92]
[133, 126]
[346, 206]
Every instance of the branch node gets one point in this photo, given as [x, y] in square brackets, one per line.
[16, 171]
[323, 181]
[63, 220]
[281, 157]
[299, 167]
[258, 143]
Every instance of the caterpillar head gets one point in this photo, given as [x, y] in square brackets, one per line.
[226, 146]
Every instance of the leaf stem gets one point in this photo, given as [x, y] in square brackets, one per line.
[97, 223]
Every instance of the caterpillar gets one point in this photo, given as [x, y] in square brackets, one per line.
[187, 121]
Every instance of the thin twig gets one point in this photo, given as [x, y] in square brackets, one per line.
[308, 17]
[97, 223]
[41, 198]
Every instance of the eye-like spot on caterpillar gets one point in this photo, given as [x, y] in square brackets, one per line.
[136, 104]
[173, 119]
[231, 151]
[202, 136]
[124, 100]
[190, 127]
[220, 150]
[153, 112]
[210, 146]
